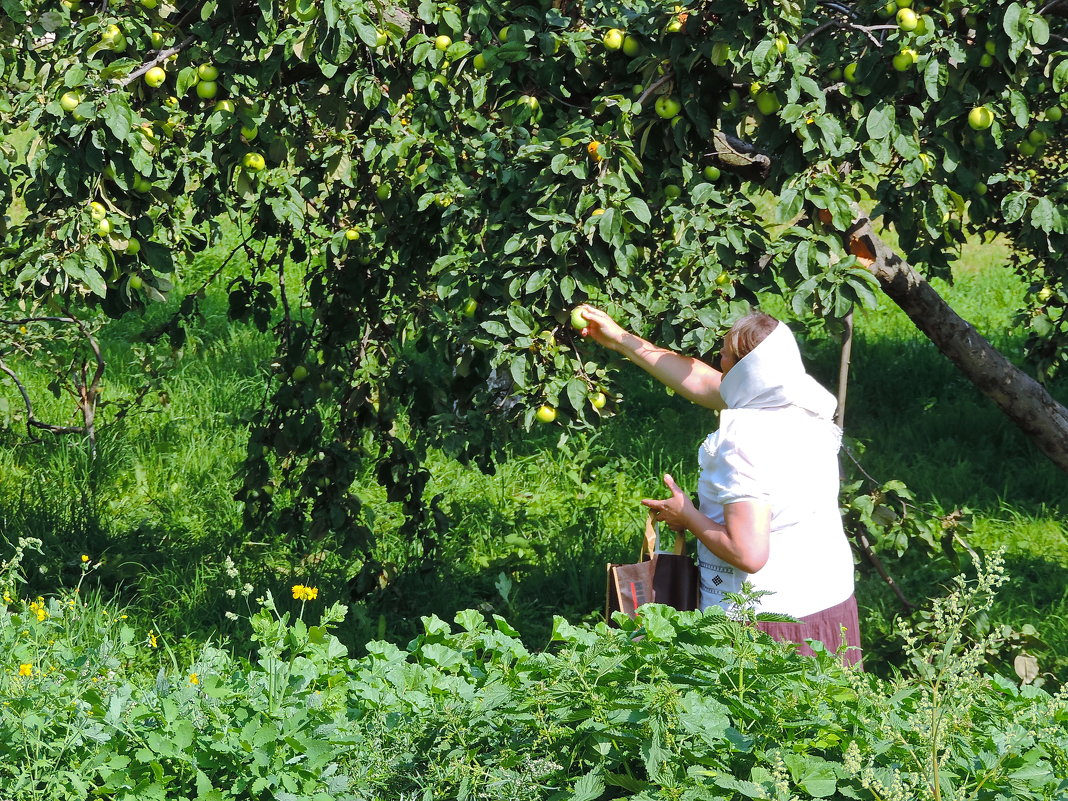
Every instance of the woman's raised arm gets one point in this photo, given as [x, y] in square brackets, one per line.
[692, 378]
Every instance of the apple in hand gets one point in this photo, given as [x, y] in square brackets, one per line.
[578, 319]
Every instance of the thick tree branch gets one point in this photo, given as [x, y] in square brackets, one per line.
[1023, 399]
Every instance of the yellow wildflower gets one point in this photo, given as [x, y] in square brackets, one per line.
[302, 593]
[85, 558]
[152, 639]
[194, 678]
[25, 670]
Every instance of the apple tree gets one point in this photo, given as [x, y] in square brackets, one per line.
[449, 179]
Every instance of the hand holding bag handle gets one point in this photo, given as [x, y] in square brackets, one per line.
[668, 577]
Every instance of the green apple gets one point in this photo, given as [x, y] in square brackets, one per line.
[1026, 148]
[383, 192]
[300, 373]
[1044, 294]
[767, 102]
[206, 90]
[987, 60]
[442, 42]
[103, 227]
[889, 10]
[904, 60]
[155, 39]
[149, 4]
[352, 234]
[136, 282]
[155, 77]
[97, 211]
[249, 132]
[849, 72]
[1054, 113]
[381, 38]
[578, 319]
[70, 101]
[225, 105]
[667, 107]
[672, 191]
[253, 162]
[530, 102]
[674, 26]
[782, 41]
[479, 62]
[980, 118]
[980, 188]
[113, 39]
[469, 308]
[502, 36]
[723, 278]
[598, 400]
[991, 47]
[712, 173]
[631, 46]
[1037, 137]
[907, 20]
[207, 72]
[133, 246]
[545, 413]
[613, 39]
[142, 184]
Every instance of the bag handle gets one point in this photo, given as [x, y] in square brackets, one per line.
[652, 535]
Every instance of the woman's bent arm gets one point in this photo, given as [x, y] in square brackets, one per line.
[742, 540]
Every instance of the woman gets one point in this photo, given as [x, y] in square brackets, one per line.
[768, 488]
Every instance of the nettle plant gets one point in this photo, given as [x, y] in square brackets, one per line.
[445, 181]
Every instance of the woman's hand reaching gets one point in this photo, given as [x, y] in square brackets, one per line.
[601, 328]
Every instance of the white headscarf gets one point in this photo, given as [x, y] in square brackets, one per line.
[771, 376]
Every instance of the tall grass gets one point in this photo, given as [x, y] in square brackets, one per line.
[156, 506]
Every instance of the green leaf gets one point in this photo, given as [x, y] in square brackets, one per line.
[117, 116]
[1039, 29]
[576, 393]
[1014, 206]
[880, 122]
[1044, 215]
[1060, 76]
[589, 788]
[812, 774]
[639, 209]
[521, 320]
[935, 78]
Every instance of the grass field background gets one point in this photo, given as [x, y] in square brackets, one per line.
[155, 510]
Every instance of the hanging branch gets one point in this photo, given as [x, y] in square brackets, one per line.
[87, 389]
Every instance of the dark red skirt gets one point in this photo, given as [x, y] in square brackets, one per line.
[831, 627]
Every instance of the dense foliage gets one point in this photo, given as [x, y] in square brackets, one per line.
[672, 705]
[450, 179]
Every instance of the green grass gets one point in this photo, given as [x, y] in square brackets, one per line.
[157, 505]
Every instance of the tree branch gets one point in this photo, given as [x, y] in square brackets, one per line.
[161, 56]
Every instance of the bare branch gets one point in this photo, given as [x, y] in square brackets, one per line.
[667, 76]
[161, 56]
[31, 421]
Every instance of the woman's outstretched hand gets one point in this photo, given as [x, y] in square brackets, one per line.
[601, 328]
[675, 511]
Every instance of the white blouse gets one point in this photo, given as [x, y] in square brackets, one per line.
[787, 458]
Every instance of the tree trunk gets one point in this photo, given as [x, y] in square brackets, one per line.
[1023, 399]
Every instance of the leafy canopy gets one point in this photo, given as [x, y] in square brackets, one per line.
[450, 179]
